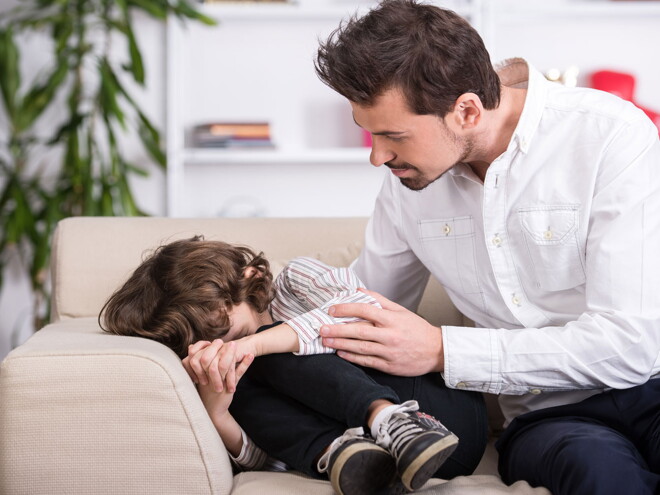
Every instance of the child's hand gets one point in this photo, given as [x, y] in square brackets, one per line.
[217, 402]
[217, 362]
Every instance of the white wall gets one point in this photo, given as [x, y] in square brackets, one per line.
[622, 43]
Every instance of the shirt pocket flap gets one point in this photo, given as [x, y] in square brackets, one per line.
[551, 224]
[449, 227]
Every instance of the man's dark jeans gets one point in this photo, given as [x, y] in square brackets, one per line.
[293, 407]
[606, 444]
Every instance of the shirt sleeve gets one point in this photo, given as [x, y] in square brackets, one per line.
[251, 457]
[304, 292]
[615, 342]
[386, 263]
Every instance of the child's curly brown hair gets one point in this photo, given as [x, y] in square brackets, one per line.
[182, 292]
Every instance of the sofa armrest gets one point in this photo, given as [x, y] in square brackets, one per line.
[85, 412]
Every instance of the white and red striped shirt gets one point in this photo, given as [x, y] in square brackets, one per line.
[304, 291]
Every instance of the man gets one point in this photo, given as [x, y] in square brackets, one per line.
[538, 208]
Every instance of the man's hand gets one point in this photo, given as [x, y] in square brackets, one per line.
[392, 339]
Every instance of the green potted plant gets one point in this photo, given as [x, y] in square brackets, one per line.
[87, 172]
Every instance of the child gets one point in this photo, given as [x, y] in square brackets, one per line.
[216, 306]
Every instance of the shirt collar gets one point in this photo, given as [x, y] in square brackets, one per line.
[518, 73]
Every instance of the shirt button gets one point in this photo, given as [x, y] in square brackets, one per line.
[547, 235]
[497, 240]
[515, 300]
[446, 229]
[535, 391]
[460, 385]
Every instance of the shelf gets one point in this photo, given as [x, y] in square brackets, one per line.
[304, 156]
[514, 11]
[298, 12]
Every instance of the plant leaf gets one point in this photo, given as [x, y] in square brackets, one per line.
[137, 66]
[10, 77]
[185, 9]
[108, 93]
[157, 9]
[40, 96]
[150, 137]
[136, 170]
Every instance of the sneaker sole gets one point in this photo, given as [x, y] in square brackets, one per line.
[361, 471]
[428, 462]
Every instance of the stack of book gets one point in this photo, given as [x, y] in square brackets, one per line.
[248, 1]
[232, 135]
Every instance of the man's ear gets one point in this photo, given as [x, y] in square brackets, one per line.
[467, 111]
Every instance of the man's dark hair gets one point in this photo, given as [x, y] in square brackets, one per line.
[183, 291]
[431, 54]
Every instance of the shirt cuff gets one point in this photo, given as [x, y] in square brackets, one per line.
[307, 326]
[251, 457]
[472, 359]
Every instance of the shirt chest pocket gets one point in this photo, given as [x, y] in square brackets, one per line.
[552, 239]
[450, 252]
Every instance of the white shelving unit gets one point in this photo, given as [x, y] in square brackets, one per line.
[290, 151]
[312, 129]
[319, 156]
[517, 10]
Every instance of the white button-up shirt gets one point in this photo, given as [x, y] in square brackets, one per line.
[555, 256]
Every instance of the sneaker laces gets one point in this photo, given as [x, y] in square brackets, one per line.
[398, 429]
[351, 433]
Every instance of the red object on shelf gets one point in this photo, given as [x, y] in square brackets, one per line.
[622, 85]
[366, 139]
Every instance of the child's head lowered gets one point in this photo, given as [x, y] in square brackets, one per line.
[192, 290]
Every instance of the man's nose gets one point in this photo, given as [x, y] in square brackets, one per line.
[380, 151]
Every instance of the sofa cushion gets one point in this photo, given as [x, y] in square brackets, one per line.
[292, 483]
[93, 256]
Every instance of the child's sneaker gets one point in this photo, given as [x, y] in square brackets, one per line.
[356, 465]
[419, 443]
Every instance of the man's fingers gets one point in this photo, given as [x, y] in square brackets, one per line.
[357, 331]
[364, 311]
[355, 346]
[382, 300]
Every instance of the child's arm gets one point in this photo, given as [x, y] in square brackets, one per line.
[245, 454]
[274, 340]
[217, 404]
[304, 292]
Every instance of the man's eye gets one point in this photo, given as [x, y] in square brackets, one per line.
[396, 139]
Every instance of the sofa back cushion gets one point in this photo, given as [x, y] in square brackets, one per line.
[93, 256]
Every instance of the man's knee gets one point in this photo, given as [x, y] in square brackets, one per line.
[574, 457]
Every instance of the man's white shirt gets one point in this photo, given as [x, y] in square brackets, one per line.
[555, 256]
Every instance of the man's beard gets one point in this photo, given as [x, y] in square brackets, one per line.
[419, 182]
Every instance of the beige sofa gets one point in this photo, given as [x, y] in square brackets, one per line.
[83, 412]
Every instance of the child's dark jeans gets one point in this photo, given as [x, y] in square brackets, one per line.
[293, 407]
